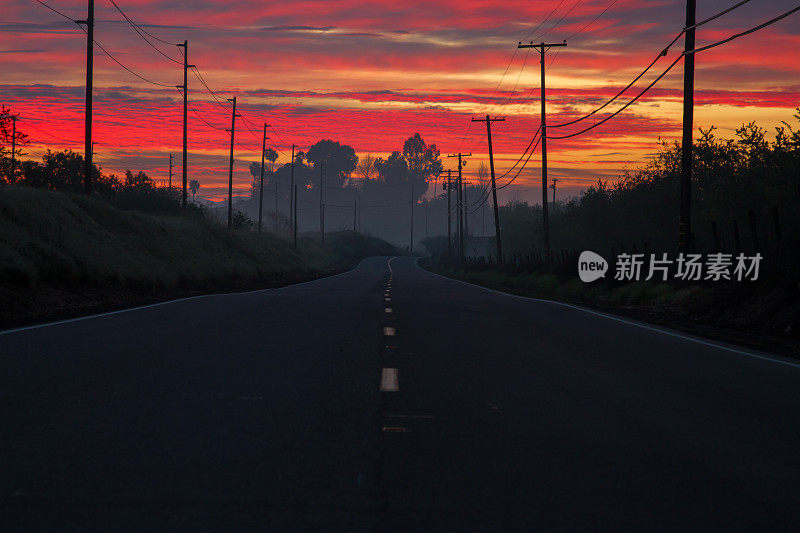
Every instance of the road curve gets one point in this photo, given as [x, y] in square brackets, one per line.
[390, 398]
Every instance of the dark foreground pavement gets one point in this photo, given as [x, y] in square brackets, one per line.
[265, 411]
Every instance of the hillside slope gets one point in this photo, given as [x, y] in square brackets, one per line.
[62, 254]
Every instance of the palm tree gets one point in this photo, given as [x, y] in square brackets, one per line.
[193, 186]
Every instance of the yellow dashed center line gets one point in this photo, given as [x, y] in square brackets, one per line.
[389, 380]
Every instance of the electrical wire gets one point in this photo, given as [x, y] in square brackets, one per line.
[663, 53]
[47, 133]
[561, 19]
[223, 103]
[742, 34]
[609, 6]
[620, 110]
[522, 167]
[139, 31]
[54, 10]
[696, 50]
[718, 15]
[542, 22]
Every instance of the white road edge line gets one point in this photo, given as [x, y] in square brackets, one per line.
[159, 304]
[622, 320]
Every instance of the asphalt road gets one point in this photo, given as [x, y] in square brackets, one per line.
[296, 409]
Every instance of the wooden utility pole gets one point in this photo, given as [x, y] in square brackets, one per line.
[460, 202]
[87, 129]
[498, 242]
[185, 89]
[291, 191]
[449, 215]
[322, 222]
[230, 165]
[553, 186]
[542, 48]
[170, 171]
[261, 185]
[685, 227]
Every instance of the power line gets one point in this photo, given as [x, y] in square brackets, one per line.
[523, 165]
[565, 15]
[220, 101]
[694, 51]
[54, 10]
[142, 35]
[713, 17]
[620, 110]
[47, 133]
[596, 19]
[542, 22]
[663, 53]
[742, 34]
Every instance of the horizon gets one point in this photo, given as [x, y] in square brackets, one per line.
[370, 76]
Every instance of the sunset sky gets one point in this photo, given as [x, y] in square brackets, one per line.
[370, 74]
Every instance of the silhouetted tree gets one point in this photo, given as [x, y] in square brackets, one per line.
[423, 161]
[340, 160]
[6, 140]
[194, 185]
[365, 169]
[392, 170]
[240, 221]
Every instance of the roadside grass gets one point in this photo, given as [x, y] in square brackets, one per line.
[82, 248]
[763, 314]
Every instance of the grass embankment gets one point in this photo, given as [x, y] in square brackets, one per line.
[65, 254]
[764, 314]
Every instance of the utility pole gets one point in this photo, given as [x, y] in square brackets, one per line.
[87, 129]
[542, 48]
[460, 202]
[261, 187]
[185, 89]
[230, 166]
[685, 228]
[275, 215]
[170, 171]
[322, 224]
[498, 241]
[294, 222]
[13, 148]
[411, 248]
[553, 186]
[449, 215]
[292, 195]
